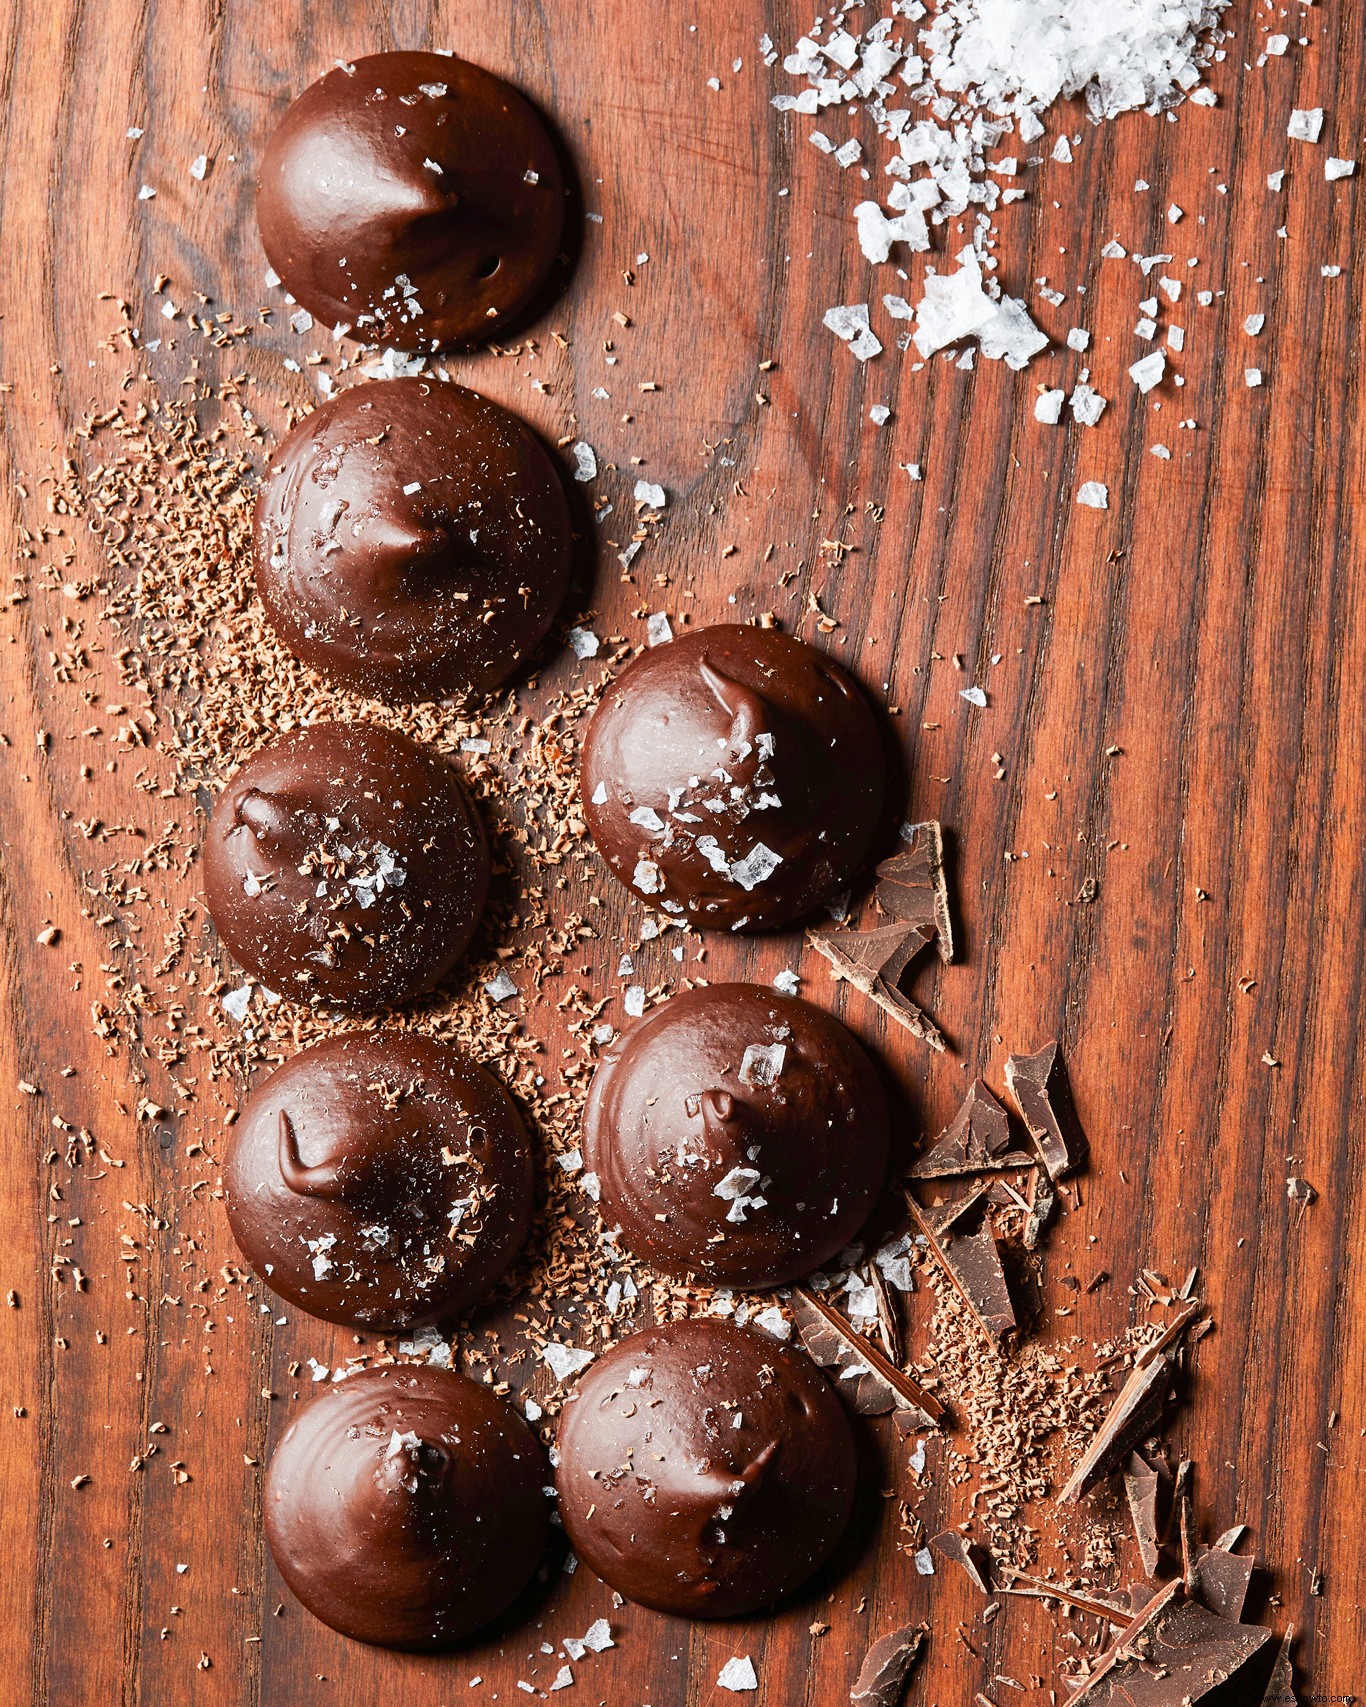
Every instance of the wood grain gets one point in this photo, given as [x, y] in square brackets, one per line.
[1180, 721]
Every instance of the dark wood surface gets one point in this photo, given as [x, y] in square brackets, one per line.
[1180, 722]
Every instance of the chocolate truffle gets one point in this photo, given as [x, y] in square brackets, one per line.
[380, 1180]
[412, 540]
[406, 1506]
[412, 198]
[344, 865]
[704, 1469]
[733, 777]
[737, 1135]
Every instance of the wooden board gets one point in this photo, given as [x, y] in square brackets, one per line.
[1178, 722]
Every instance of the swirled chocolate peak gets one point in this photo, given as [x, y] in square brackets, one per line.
[344, 865]
[704, 1469]
[734, 777]
[380, 1180]
[738, 1136]
[413, 198]
[412, 540]
[404, 1506]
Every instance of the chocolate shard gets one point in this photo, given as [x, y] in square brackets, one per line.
[1040, 1088]
[1280, 1686]
[975, 1560]
[1042, 1199]
[873, 962]
[886, 1666]
[1134, 1415]
[912, 885]
[977, 1140]
[867, 1380]
[1116, 1611]
[1222, 1580]
[1176, 1653]
[971, 1261]
[1143, 1488]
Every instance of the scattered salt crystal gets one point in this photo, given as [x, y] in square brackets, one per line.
[786, 982]
[411, 487]
[658, 629]
[133, 132]
[924, 1562]
[1113, 251]
[762, 1063]
[301, 321]
[1048, 407]
[597, 1638]
[646, 877]
[1274, 180]
[1161, 452]
[1148, 372]
[584, 643]
[850, 323]
[585, 461]
[1087, 406]
[1253, 324]
[570, 1160]
[756, 867]
[773, 1322]
[563, 1361]
[1062, 150]
[1276, 45]
[738, 1675]
[634, 1000]
[199, 166]
[1175, 214]
[499, 988]
[1093, 495]
[146, 193]
[974, 696]
[1078, 339]
[647, 492]
[236, 1003]
[564, 1677]
[1306, 124]
[591, 1186]
[850, 154]
[818, 139]
[1145, 328]
[1176, 338]
[879, 414]
[1333, 168]
[1253, 376]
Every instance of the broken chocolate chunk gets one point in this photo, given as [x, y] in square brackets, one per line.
[873, 962]
[886, 1666]
[1132, 1418]
[1143, 1488]
[975, 1141]
[974, 1559]
[912, 886]
[1040, 1088]
[1176, 1653]
[971, 1260]
[868, 1381]
[1222, 1579]
[1042, 1199]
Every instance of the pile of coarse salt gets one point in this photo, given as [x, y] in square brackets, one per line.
[945, 90]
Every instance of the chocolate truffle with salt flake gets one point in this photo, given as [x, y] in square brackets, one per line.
[345, 866]
[734, 777]
[737, 1135]
[412, 540]
[379, 1180]
[413, 198]
[704, 1470]
[405, 1506]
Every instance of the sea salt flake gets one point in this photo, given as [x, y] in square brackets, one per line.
[584, 643]
[1048, 407]
[1333, 168]
[762, 1063]
[1092, 495]
[924, 1562]
[850, 323]
[1252, 376]
[585, 461]
[1078, 338]
[564, 1361]
[1253, 324]
[1306, 124]
[738, 1674]
[756, 867]
[658, 629]
[646, 492]
[974, 695]
[1087, 406]
[199, 166]
[1149, 371]
[499, 988]
[773, 1322]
